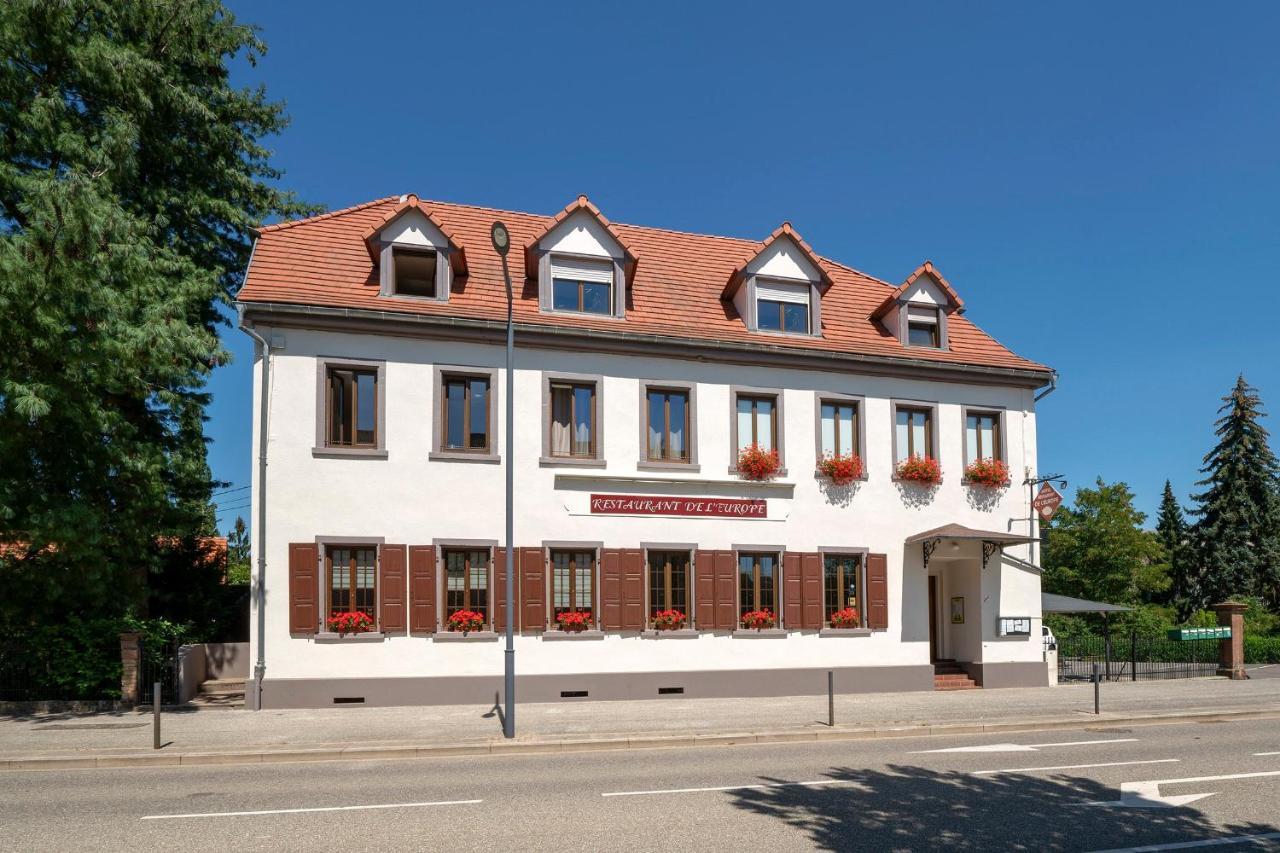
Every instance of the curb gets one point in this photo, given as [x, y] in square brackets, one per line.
[535, 747]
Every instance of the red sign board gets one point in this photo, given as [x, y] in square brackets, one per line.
[649, 505]
[1047, 501]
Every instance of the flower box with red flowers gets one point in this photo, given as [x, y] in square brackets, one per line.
[924, 470]
[992, 473]
[846, 618]
[756, 463]
[465, 621]
[758, 619]
[841, 469]
[355, 622]
[574, 622]
[669, 620]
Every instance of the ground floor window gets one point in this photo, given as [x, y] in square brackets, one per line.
[466, 581]
[669, 582]
[352, 573]
[842, 586]
[572, 582]
[757, 583]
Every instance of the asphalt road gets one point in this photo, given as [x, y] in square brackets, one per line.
[899, 794]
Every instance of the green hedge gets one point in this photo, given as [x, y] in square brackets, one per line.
[1261, 649]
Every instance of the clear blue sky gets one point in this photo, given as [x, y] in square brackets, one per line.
[1098, 180]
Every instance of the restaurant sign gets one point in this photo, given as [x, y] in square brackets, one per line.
[698, 507]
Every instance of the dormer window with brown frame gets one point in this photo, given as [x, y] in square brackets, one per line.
[782, 306]
[580, 263]
[414, 272]
[779, 289]
[416, 256]
[924, 326]
[917, 311]
[582, 286]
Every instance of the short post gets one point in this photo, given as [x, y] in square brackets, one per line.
[1097, 688]
[1231, 649]
[1133, 655]
[155, 716]
[831, 698]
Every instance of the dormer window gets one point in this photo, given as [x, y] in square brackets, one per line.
[414, 272]
[917, 311]
[779, 289]
[584, 286]
[415, 256]
[782, 307]
[581, 264]
[923, 327]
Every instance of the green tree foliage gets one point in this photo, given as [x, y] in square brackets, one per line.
[131, 173]
[1098, 550]
[238, 553]
[1172, 531]
[1237, 528]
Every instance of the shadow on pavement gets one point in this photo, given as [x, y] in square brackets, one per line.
[913, 808]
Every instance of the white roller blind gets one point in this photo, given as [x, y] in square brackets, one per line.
[576, 269]
[776, 291]
[922, 313]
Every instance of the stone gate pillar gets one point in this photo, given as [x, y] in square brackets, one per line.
[130, 662]
[1231, 650]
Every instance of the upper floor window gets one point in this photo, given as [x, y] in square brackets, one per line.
[757, 422]
[466, 413]
[582, 285]
[913, 432]
[351, 575]
[352, 407]
[572, 582]
[668, 420]
[923, 326]
[758, 583]
[669, 582]
[414, 272]
[573, 420]
[982, 436]
[782, 307]
[839, 427]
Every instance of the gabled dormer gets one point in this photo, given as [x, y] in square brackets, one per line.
[581, 264]
[416, 257]
[917, 310]
[779, 289]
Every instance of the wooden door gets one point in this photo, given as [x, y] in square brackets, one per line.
[933, 618]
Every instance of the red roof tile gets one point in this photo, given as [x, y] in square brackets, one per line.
[676, 291]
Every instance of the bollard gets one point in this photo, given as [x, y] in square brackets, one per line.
[155, 716]
[831, 699]
[1097, 686]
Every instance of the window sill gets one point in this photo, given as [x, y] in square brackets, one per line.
[348, 453]
[447, 636]
[678, 634]
[570, 462]
[651, 465]
[572, 635]
[781, 472]
[895, 478]
[824, 478]
[763, 633]
[449, 456]
[845, 632]
[363, 637]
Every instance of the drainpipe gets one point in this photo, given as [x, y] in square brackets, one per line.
[1053, 386]
[1032, 526]
[260, 666]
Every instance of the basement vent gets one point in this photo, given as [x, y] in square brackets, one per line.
[667, 691]
[348, 700]
[573, 694]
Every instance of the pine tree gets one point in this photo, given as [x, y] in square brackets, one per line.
[238, 553]
[1172, 531]
[1237, 531]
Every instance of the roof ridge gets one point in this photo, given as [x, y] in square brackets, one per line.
[280, 226]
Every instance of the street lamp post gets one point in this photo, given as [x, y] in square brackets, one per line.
[502, 244]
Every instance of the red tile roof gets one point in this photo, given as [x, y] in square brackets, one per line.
[677, 289]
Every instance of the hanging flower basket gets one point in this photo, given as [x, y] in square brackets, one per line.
[465, 621]
[756, 463]
[574, 622]
[759, 619]
[355, 622]
[668, 620]
[846, 618]
[842, 470]
[924, 470]
[991, 473]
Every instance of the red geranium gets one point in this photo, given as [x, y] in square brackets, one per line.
[668, 620]
[842, 470]
[846, 618]
[759, 619]
[465, 621]
[354, 622]
[920, 469]
[756, 463]
[992, 473]
[574, 621]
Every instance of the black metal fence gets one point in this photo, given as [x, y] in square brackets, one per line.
[158, 665]
[1134, 657]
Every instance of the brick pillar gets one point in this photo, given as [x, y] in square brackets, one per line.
[1231, 650]
[130, 661]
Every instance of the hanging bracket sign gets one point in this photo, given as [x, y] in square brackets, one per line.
[1046, 502]
[692, 506]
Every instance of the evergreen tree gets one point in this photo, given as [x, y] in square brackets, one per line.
[1172, 531]
[131, 174]
[1237, 531]
[238, 571]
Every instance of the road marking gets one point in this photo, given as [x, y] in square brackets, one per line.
[1146, 795]
[1188, 845]
[323, 809]
[725, 788]
[1267, 753]
[1018, 747]
[1074, 766]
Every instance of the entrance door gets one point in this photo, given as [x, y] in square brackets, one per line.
[933, 618]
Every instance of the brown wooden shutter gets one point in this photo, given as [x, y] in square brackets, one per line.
[304, 587]
[792, 610]
[392, 561]
[633, 616]
[811, 590]
[611, 589]
[726, 590]
[498, 595]
[533, 589]
[422, 589]
[877, 591]
[704, 589]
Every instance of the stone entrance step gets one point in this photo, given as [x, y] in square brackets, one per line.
[220, 693]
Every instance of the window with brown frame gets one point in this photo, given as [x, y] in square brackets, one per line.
[842, 585]
[982, 436]
[352, 407]
[572, 582]
[573, 420]
[413, 272]
[758, 583]
[839, 427]
[924, 329]
[465, 413]
[757, 421]
[351, 573]
[913, 432]
[466, 581]
[669, 582]
[668, 414]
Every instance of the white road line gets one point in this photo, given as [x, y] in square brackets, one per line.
[1188, 845]
[324, 809]
[1074, 766]
[1020, 747]
[1267, 753]
[1087, 742]
[724, 788]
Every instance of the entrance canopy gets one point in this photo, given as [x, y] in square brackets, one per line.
[991, 540]
[1050, 603]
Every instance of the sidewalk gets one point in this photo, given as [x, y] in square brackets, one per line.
[325, 733]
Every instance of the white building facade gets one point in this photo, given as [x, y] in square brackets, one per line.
[646, 361]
